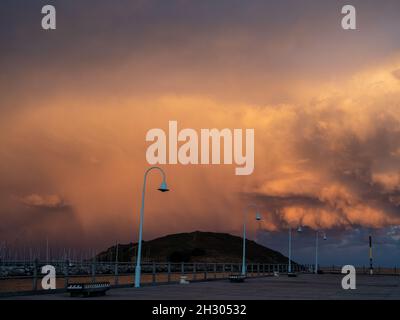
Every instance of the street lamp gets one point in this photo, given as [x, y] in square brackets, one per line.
[299, 229]
[317, 234]
[258, 217]
[163, 188]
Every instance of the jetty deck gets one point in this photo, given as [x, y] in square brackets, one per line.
[305, 286]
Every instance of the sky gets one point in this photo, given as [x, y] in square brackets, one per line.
[76, 103]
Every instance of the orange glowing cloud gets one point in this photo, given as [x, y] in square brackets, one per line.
[326, 162]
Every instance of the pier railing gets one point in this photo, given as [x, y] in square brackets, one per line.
[377, 270]
[18, 277]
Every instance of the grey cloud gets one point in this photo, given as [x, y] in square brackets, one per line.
[51, 201]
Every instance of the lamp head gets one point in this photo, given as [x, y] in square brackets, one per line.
[325, 238]
[163, 187]
[299, 229]
[258, 216]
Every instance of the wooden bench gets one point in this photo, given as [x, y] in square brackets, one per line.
[237, 278]
[88, 289]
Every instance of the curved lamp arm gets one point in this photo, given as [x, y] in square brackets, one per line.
[163, 186]
[251, 205]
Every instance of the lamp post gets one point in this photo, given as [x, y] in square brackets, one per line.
[317, 234]
[163, 188]
[258, 217]
[299, 229]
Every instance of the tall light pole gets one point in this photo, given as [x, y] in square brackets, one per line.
[163, 188]
[290, 250]
[317, 234]
[47, 249]
[371, 268]
[258, 217]
[299, 229]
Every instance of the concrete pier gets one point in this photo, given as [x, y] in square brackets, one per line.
[305, 286]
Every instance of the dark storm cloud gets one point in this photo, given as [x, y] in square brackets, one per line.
[30, 222]
[176, 45]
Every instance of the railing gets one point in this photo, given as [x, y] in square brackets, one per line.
[363, 270]
[26, 277]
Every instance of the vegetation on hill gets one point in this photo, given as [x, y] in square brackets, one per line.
[195, 247]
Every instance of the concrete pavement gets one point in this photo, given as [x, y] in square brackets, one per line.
[305, 286]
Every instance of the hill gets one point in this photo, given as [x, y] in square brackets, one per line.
[195, 247]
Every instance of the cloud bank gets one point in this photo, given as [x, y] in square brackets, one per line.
[77, 103]
[330, 162]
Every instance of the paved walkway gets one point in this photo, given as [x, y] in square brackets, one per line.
[305, 286]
